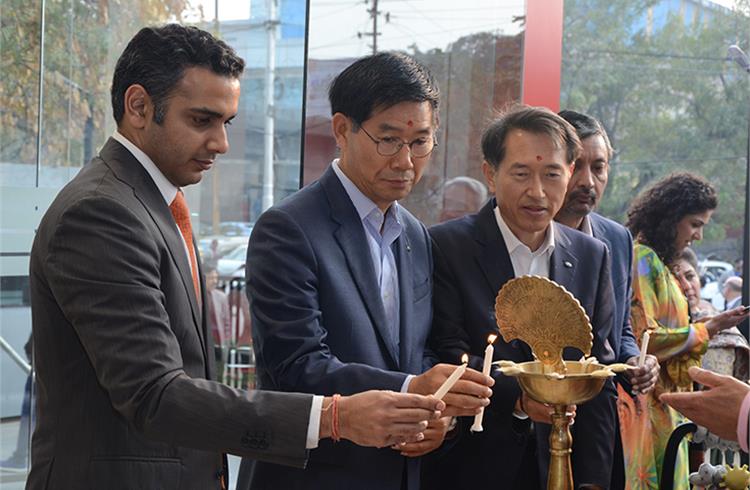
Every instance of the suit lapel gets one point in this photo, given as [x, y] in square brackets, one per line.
[350, 236]
[406, 298]
[130, 171]
[494, 259]
[563, 262]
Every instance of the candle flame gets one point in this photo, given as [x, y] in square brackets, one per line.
[491, 338]
[465, 358]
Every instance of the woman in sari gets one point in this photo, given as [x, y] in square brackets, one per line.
[664, 220]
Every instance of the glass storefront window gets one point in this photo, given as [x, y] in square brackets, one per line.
[475, 53]
[74, 57]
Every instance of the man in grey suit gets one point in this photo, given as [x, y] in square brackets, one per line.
[340, 279]
[120, 338]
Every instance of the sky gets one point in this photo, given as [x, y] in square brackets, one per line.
[339, 27]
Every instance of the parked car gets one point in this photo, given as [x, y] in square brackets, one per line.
[712, 272]
[232, 265]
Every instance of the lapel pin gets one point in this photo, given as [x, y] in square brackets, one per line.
[567, 264]
[408, 247]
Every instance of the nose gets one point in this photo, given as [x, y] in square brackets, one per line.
[684, 284]
[585, 177]
[218, 142]
[402, 160]
[536, 188]
[698, 235]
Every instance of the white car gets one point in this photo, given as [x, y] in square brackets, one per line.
[232, 265]
[712, 271]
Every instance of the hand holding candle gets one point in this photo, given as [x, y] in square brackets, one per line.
[488, 353]
[451, 380]
[644, 348]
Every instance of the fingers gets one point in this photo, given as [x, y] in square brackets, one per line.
[683, 402]
[412, 400]
[477, 377]
[413, 415]
[466, 387]
[406, 432]
[463, 405]
[704, 377]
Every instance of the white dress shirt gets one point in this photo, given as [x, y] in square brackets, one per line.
[525, 261]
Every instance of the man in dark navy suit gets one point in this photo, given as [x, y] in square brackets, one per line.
[528, 158]
[340, 280]
[585, 189]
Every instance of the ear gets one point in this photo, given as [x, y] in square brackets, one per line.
[489, 175]
[138, 106]
[342, 129]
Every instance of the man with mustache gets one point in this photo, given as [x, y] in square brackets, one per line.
[585, 189]
[528, 159]
[340, 279]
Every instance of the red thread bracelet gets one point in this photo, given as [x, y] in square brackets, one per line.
[335, 434]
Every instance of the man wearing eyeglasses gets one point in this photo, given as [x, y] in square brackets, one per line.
[340, 279]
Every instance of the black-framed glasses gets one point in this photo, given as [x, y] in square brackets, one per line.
[387, 147]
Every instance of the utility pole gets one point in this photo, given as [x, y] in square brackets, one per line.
[268, 170]
[374, 13]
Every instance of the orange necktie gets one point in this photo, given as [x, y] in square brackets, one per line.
[181, 215]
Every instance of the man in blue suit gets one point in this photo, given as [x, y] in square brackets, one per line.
[585, 188]
[340, 280]
[528, 158]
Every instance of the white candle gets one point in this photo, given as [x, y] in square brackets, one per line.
[455, 376]
[644, 348]
[488, 353]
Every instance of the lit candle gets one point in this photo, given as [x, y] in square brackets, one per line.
[455, 376]
[488, 353]
[644, 348]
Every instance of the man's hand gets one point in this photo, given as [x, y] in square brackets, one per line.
[381, 418]
[540, 412]
[433, 438]
[643, 378]
[717, 408]
[467, 396]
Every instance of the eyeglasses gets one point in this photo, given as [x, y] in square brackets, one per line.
[389, 146]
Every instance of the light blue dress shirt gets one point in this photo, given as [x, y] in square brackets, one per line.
[382, 229]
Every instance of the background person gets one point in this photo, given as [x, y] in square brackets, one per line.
[732, 292]
[462, 195]
[728, 349]
[665, 219]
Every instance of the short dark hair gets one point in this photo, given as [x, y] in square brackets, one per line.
[654, 214]
[380, 81]
[587, 126]
[537, 120]
[157, 58]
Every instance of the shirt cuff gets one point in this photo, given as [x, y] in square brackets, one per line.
[520, 415]
[405, 386]
[742, 435]
[313, 427]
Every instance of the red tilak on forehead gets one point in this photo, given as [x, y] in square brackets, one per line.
[409, 123]
[538, 158]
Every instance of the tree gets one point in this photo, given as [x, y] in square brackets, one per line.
[82, 41]
[660, 83]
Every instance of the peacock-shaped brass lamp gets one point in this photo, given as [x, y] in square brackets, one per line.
[548, 318]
